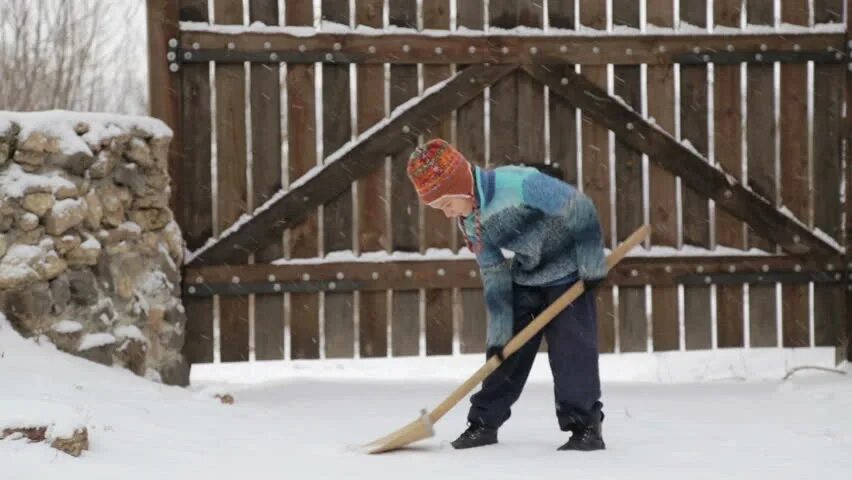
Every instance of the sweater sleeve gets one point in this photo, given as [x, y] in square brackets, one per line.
[555, 197]
[497, 284]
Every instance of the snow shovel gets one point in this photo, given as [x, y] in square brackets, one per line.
[422, 427]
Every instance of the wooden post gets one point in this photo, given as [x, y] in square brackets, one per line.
[633, 324]
[596, 168]
[848, 132]
[471, 142]
[730, 232]
[761, 173]
[266, 174]
[303, 313]
[663, 194]
[372, 200]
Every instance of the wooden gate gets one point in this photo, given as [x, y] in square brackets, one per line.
[723, 127]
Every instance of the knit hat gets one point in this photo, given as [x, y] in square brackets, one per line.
[437, 169]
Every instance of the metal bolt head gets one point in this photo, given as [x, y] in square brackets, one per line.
[708, 280]
[337, 46]
[758, 57]
[196, 45]
[267, 45]
[729, 194]
[696, 49]
[302, 48]
[596, 50]
[375, 275]
[235, 279]
[765, 268]
[406, 129]
[441, 272]
[472, 80]
[371, 49]
[796, 239]
[273, 56]
[533, 50]
[332, 285]
[797, 47]
[763, 47]
[277, 287]
[231, 45]
[700, 269]
[199, 279]
[563, 49]
[838, 56]
[329, 57]
[306, 277]
[634, 273]
[797, 268]
[504, 50]
[706, 58]
[830, 267]
[439, 50]
[732, 268]
[173, 67]
[187, 55]
[564, 81]
[629, 51]
[173, 42]
[838, 276]
[630, 126]
[271, 278]
[472, 274]
[662, 48]
[471, 49]
[668, 269]
[191, 289]
[730, 47]
[408, 273]
[340, 275]
[406, 48]
[171, 56]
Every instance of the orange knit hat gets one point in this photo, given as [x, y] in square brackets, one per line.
[437, 169]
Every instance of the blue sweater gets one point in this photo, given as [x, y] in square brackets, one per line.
[552, 228]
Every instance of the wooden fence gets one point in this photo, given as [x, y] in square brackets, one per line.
[724, 131]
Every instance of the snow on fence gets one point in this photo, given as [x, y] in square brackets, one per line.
[249, 125]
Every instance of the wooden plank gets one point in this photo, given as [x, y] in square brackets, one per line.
[795, 173]
[505, 47]
[437, 229]
[470, 133]
[563, 115]
[697, 322]
[663, 186]
[367, 153]
[595, 181]
[425, 272]
[405, 226]
[339, 314]
[828, 11]
[728, 136]
[265, 107]
[844, 341]
[761, 133]
[632, 319]
[303, 315]
[372, 201]
[193, 194]
[232, 182]
[829, 301]
[504, 140]
[693, 168]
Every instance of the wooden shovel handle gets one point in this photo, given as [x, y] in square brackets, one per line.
[534, 327]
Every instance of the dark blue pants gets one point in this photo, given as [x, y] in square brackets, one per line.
[572, 340]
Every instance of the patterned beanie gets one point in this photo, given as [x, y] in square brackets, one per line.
[437, 169]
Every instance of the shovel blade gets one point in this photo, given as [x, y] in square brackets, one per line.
[415, 431]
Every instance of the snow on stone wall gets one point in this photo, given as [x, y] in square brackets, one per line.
[89, 250]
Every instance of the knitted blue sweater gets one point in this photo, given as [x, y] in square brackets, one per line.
[552, 228]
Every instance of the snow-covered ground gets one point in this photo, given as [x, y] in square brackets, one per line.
[304, 420]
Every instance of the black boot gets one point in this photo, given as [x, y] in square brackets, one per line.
[586, 437]
[476, 435]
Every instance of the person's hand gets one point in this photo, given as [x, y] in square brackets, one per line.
[495, 350]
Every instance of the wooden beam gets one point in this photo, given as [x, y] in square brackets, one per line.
[461, 272]
[355, 159]
[202, 43]
[695, 171]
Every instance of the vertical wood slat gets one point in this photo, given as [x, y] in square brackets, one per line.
[437, 229]
[829, 302]
[761, 173]
[303, 314]
[595, 181]
[405, 328]
[696, 216]
[265, 107]
[728, 153]
[471, 141]
[828, 11]
[503, 104]
[663, 193]
[563, 115]
[632, 324]
[795, 170]
[195, 197]
[844, 343]
[339, 315]
[231, 179]
[372, 202]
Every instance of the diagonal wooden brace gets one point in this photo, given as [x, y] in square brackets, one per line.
[693, 169]
[323, 183]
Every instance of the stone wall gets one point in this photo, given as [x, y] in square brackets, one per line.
[89, 250]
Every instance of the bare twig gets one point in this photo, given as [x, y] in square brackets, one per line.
[792, 371]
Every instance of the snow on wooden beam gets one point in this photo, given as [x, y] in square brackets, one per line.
[220, 43]
[323, 183]
[681, 160]
[414, 271]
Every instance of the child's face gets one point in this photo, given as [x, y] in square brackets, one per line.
[454, 206]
